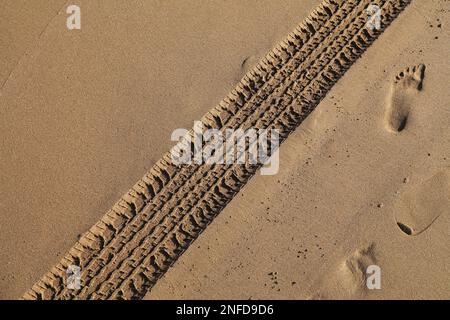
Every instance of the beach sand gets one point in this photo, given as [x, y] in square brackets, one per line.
[364, 181]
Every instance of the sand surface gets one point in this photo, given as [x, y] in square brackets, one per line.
[85, 113]
[344, 182]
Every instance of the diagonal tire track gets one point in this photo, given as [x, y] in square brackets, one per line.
[160, 243]
[130, 248]
[277, 111]
[165, 212]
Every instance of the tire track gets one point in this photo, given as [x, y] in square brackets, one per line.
[181, 177]
[206, 171]
[152, 245]
[217, 175]
[79, 249]
[126, 252]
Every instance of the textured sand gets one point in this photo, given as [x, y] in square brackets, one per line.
[345, 181]
[85, 114]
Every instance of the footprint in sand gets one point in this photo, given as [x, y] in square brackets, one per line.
[418, 207]
[349, 279]
[406, 85]
[353, 271]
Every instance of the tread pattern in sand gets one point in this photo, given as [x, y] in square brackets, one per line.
[129, 249]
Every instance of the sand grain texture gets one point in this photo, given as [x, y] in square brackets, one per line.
[298, 234]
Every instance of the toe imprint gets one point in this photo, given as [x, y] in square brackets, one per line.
[411, 77]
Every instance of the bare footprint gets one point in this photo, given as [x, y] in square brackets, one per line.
[418, 207]
[348, 281]
[406, 85]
